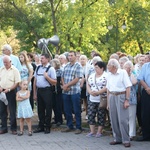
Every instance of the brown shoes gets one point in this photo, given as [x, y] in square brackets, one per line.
[67, 130]
[14, 132]
[3, 131]
[78, 131]
[114, 143]
[127, 144]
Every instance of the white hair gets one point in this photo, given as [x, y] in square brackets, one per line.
[62, 56]
[123, 59]
[6, 57]
[7, 47]
[114, 56]
[96, 59]
[83, 56]
[128, 63]
[114, 63]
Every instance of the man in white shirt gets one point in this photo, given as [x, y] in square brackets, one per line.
[118, 88]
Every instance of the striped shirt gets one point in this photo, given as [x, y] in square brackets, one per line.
[71, 72]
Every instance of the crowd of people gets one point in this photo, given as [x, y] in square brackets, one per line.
[70, 80]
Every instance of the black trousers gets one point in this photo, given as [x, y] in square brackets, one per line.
[145, 103]
[57, 107]
[11, 97]
[31, 99]
[44, 101]
[138, 113]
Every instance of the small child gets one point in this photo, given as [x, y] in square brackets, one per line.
[24, 108]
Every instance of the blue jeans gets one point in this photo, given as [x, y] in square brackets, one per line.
[72, 102]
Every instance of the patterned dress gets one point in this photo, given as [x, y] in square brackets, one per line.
[24, 108]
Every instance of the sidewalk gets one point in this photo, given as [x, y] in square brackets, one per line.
[63, 141]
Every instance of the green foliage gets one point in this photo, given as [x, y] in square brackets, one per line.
[81, 25]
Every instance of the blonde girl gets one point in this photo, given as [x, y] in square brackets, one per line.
[24, 108]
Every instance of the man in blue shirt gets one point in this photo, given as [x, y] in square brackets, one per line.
[44, 79]
[144, 78]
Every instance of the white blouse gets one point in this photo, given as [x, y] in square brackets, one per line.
[100, 82]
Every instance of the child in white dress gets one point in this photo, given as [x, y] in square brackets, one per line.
[24, 108]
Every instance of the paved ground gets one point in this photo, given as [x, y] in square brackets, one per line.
[63, 141]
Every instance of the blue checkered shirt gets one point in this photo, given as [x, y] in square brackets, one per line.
[71, 72]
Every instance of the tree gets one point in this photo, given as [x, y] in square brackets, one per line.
[80, 24]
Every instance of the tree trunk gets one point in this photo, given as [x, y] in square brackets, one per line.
[141, 48]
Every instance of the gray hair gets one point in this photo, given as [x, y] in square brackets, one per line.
[38, 55]
[114, 63]
[130, 57]
[55, 63]
[128, 63]
[123, 59]
[83, 56]
[7, 47]
[114, 56]
[62, 55]
[96, 59]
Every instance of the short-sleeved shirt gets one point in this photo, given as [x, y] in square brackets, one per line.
[41, 82]
[9, 77]
[119, 81]
[145, 74]
[97, 84]
[25, 71]
[71, 72]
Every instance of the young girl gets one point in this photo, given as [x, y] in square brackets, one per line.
[24, 108]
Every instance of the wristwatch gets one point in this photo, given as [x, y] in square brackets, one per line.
[8, 90]
[127, 99]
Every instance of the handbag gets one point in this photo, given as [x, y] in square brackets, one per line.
[103, 99]
[103, 102]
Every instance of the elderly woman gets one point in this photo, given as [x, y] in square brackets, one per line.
[91, 68]
[128, 66]
[122, 60]
[96, 87]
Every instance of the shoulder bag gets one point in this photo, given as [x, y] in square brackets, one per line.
[103, 100]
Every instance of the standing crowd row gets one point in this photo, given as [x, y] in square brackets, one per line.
[61, 83]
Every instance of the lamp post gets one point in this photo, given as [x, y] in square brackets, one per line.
[110, 27]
